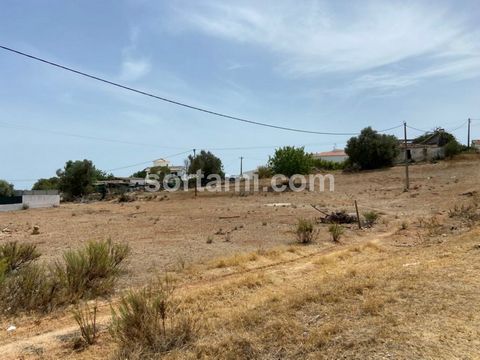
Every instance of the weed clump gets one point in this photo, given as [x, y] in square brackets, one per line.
[371, 218]
[91, 271]
[305, 231]
[16, 255]
[149, 321]
[86, 319]
[336, 231]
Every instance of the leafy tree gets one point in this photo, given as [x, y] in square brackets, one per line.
[321, 164]
[208, 163]
[264, 172]
[452, 148]
[52, 183]
[77, 178]
[161, 171]
[139, 174]
[6, 189]
[443, 137]
[371, 150]
[290, 160]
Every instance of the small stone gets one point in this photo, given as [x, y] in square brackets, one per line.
[11, 328]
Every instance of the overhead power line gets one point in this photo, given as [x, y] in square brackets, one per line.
[417, 129]
[166, 99]
[150, 161]
[55, 132]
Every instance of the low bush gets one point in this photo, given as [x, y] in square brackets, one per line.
[321, 164]
[31, 288]
[371, 217]
[28, 286]
[148, 321]
[91, 271]
[336, 230]
[264, 172]
[86, 319]
[305, 231]
[15, 255]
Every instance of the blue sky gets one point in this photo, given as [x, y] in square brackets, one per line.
[318, 65]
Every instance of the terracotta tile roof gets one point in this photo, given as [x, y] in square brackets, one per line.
[331, 153]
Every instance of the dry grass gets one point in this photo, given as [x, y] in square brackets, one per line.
[393, 297]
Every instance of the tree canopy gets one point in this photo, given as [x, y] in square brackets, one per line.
[371, 150]
[208, 163]
[6, 189]
[77, 178]
[52, 183]
[290, 160]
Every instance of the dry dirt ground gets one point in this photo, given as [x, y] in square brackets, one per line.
[406, 288]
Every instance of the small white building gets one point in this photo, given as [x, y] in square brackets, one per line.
[336, 155]
[476, 145]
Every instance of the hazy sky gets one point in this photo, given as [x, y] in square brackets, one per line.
[334, 66]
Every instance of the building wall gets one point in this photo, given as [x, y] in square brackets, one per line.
[41, 201]
[11, 207]
[33, 201]
[419, 154]
[334, 158]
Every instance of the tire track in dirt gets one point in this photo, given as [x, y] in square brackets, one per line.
[52, 338]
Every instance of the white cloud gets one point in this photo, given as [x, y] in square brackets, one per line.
[134, 69]
[363, 40]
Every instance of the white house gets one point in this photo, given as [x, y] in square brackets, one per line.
[476, 145]
[336, 155]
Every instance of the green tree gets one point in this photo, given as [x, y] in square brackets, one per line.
[208, 163]
[77, 178]
[371, 150]
[6, 189]
[290, 160]
[139, 174]
[52, 183]
[440, 136]
[452, 148]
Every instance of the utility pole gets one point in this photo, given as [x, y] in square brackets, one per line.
[407, 179]
[468, 138]
[194, 156]
[241, 166]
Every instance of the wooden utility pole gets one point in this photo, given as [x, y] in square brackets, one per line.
[194, 156]
[358, 216]
[407, 179]
[241, 166]
[468, 138]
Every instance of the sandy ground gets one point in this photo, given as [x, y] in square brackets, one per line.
[171, 231]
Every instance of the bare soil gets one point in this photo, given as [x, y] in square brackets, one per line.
[418, 266]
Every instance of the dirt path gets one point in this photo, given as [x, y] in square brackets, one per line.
[53, 338]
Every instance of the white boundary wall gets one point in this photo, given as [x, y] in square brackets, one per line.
[11, 207]
[41, 201]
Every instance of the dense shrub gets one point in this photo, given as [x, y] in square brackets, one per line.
[321, 164]
[31, 288]
[453, 148]
[371, 150]
[91, 271]
[28, 286]
[290, 160]
[264, 172]
[305, 231]
[148, 321]
[15, 255]
[6, 189]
